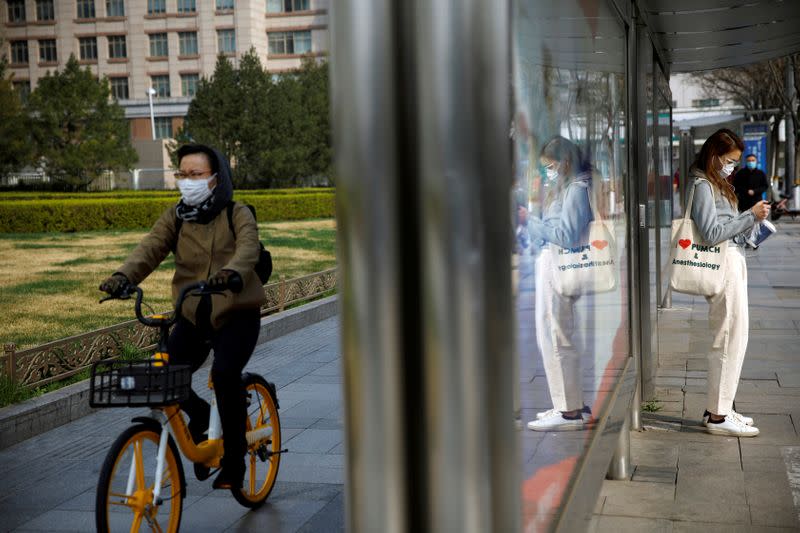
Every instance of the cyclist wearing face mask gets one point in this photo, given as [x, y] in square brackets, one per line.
[208, 245]
[717, 219]
[750, 183]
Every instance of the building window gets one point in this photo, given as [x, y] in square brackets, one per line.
[87, 47]
[16, 10]
[45, 10]
[19, 52]
[158, 45]
[189, 84]
[116, 47]
[287, 6]
[23, 88]
[163, 127]
[705, 102]
[119, 88]
[47, 51]
[226, 41]
[290, 42]
[154, 7]
[86, 9]
[115, 8]
[161, 85]
[187, 43]
[187, 6]
[224, 5]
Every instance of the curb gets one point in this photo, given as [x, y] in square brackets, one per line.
[32, 417]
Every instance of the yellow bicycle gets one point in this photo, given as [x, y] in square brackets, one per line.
[142, 483]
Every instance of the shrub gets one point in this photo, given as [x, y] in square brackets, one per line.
[88, 212]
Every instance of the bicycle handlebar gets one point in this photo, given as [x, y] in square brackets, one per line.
[199, 288]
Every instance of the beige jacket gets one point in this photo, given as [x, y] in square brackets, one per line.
[203, 249]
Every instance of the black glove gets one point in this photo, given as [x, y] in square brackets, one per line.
[226, 279]
[116, 284]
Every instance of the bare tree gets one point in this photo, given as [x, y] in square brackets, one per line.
[760, 88]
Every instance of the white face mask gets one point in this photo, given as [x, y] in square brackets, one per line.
[195, 191]
[727, 170]
[551, 172]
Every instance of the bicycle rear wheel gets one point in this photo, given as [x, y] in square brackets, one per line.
[263, 451]
[127, 479]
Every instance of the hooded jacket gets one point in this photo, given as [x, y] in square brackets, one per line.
[716, 218]
[566, 220]
[205, 247]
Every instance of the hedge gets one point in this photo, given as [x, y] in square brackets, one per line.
[15, 196]
[92, 213]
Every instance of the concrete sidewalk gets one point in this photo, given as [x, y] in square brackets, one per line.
[48, 482]
[686, 480]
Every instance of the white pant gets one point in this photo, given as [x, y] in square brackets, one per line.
[555, 328]
[730, 323]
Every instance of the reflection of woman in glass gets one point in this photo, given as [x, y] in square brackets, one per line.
[566, 217]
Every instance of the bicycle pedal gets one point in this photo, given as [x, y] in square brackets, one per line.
[202, 472]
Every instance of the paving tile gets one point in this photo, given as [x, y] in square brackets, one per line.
[774, 515]
[329, 519]
[711, 485]
[789, 378]
[631, 524]
[60, 520]
[314, 441]
[768, 489]
[629, 498]
[653, 452]
[722, 451]
[288, 517]
[655, 474]
[709, 527]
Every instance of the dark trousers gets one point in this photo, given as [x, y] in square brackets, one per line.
[233, 344]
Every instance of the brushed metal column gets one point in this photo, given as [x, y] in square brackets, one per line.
[421, 114]
[463, 73]
[369, 195]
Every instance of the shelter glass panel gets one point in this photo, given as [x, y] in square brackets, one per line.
[570, 223]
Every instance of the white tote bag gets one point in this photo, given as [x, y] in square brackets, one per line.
[591, 266]
[696, 268]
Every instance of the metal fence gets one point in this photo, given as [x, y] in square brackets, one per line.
[63, 358]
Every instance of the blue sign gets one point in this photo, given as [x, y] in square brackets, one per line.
[755, 136]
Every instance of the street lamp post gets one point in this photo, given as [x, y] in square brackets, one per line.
[150, 93]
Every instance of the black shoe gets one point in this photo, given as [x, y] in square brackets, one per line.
[227, 479]
[201, 471]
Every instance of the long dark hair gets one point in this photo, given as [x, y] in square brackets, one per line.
[720, 143]
[566, 153]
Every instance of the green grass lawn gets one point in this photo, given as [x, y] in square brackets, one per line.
[48, 281]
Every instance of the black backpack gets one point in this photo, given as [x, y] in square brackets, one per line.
[263, 267]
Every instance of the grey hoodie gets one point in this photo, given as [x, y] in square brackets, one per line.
[567, 218]
[716, 218]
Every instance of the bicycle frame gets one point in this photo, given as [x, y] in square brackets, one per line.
[208, 452]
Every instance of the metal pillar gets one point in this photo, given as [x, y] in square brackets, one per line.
[620, 467]
[789, 160]
[420, 117]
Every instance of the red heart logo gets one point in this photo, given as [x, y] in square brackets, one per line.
[685, 243]
[599, 244]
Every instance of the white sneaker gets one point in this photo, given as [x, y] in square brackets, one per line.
[731, 427]
[746, 420]
[586, 413]
[556, 422]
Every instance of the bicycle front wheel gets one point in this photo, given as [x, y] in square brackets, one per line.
[125, 500]
[264, 444]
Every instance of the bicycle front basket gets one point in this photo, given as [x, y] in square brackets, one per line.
[138, 384]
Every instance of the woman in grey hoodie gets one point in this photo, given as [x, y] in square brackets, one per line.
[565, 221]
[715, 213]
